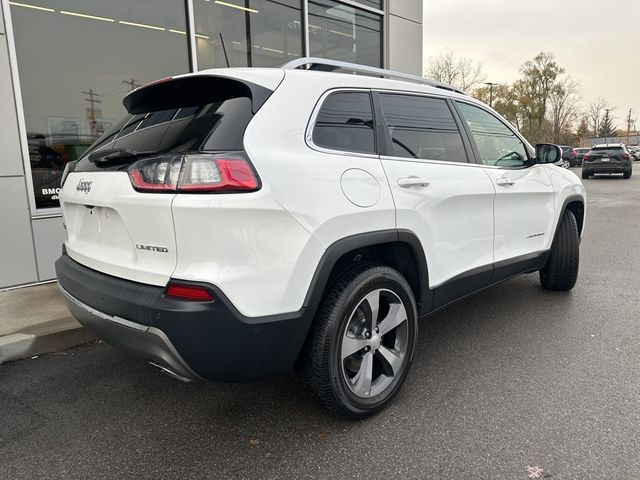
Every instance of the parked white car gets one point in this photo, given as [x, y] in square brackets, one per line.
[240, 222]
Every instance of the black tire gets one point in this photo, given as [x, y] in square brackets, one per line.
[322, 367]
[585, 174]
[561, 270]
[627, 174]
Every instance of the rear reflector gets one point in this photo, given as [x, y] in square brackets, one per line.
[195, 173]
[189, 292]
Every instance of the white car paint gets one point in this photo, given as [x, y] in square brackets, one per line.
[262, 248]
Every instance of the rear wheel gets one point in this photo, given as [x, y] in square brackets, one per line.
[585, 174]
[561, 270]
[627, 173]
[361, 346]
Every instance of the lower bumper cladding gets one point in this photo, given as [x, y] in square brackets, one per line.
[190, 340]
[147, 342]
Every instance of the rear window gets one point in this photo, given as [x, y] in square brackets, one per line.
[213, 126]
[193, 114]
[345, 123]
[611, 149]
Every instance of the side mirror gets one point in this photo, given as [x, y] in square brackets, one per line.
[548, 153]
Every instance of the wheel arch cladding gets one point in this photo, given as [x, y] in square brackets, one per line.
[398, 249]
[576, 206]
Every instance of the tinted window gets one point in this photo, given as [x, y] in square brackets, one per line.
[497, 144]
[345, 123]
[422, 127]
[598, 149]
[215, 126]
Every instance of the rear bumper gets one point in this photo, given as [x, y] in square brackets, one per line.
[191, 340]
[144, 341]
[606, 167]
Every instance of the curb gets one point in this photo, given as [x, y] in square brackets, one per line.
[17, 346]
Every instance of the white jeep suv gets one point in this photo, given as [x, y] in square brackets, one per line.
[240, 222]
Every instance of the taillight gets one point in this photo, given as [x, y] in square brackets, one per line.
[585, 158]
[216, 173]
[573, 154]
[158, 174]
[194, 173]
[189, 292]
[625, 156]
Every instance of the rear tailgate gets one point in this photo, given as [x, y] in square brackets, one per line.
[128, 232]
[116, 230]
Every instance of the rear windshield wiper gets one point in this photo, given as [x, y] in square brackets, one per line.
[102, 157]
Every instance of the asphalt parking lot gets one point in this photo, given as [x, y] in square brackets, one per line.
[512, 383]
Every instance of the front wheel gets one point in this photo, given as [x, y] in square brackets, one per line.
[561, 270]
[361, 346]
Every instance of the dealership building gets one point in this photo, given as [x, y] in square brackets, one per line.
[65, 66]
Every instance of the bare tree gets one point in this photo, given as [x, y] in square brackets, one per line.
[462, 72]
[564, 100]
[594, 113]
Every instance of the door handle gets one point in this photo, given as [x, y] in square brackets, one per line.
[410, 182]
[505, 182]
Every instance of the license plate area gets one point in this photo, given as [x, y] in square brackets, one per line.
[605, 159]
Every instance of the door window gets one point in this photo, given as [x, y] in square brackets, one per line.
[422, 127]
[345, 123]
[497, 144]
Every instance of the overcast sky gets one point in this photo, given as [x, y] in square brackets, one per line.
[596, 41]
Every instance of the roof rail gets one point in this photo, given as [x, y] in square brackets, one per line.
[325, 65]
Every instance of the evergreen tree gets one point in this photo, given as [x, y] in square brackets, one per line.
[583, 131]
[606, 126]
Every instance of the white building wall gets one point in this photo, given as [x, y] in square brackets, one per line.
[404, 38]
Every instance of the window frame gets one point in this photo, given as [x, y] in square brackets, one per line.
[476, 153]
[308, 136]
[388, 151]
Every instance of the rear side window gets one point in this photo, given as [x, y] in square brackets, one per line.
[422, 127]
[345, 123]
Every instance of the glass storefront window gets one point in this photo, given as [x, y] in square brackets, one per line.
[341, 32]
[247, 33]
[371, 3]
[77, 59]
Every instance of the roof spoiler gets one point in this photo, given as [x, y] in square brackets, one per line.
[192, 90]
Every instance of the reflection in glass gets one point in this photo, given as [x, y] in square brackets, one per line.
[345, 123]
[341, 32]
[497, 144]
[422, 127]
[76, 62]
[271, 29]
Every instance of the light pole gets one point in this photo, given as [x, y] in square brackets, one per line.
[491, 85]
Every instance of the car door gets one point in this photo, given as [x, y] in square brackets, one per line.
[524, 204]
[441, 197]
